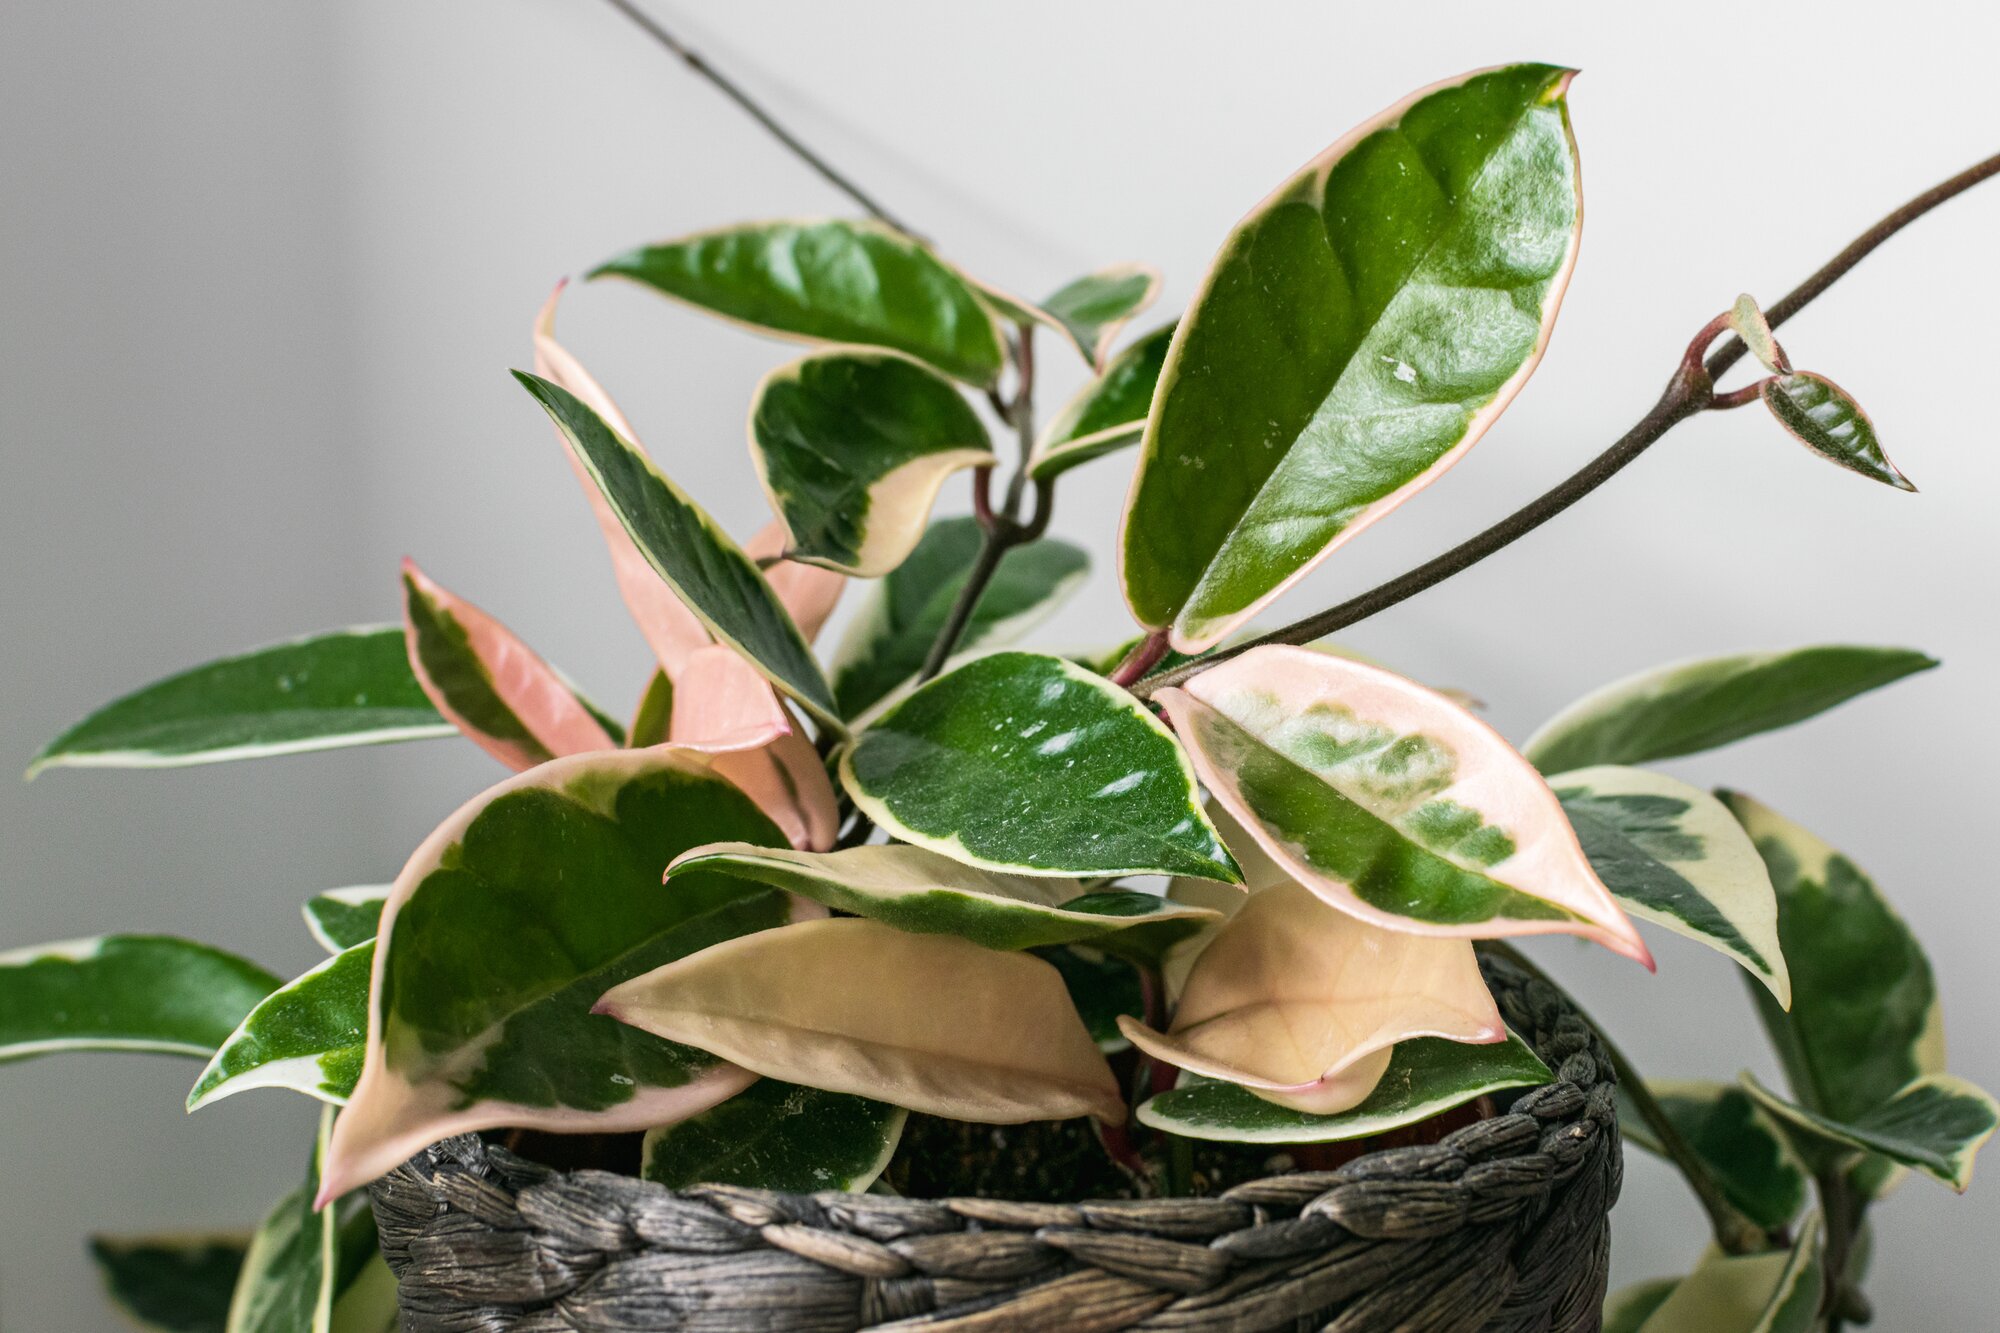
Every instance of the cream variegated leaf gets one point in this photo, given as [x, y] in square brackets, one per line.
[309, 1035]
[1778, 1292]
[342, 918]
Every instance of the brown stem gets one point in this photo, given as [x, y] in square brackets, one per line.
[1145, 655]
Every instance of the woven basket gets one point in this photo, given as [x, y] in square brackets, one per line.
[1501, 1225]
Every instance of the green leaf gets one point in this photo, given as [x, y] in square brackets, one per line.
[1025, 763]
[1864, 1021]
[1749, 1155]
[1626, 1309]
[1758, 1293]
[509, 922]
[655, 717]
[1103, 988]
[124, 993]
[917, 890]
[349, 687]
[1389, 801]
[832, 281]
[778, 1136]
[1426, 1076]
[175, 1284]
[1689, 707]
[1674, 855]
[1821, 416]
[1354, 336]
[291, 1272]
[1936, 1124]
[705, 569]
[852, 448]
[308, 1035]
[342, 918]
[1091, 309]
[887, 642]
[1108, 413]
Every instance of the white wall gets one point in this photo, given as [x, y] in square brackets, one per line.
[267, 265]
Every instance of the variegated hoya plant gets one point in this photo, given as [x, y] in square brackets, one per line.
[1211, 885]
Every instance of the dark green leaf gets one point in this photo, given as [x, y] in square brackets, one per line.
[342, 918]
[1822, 417]
[124, 993]
[1102, 988]
[308, 1035]
[778, 1136]
[1108, 413]
[1937, 1124]
[175, 1284]
[1749, 1155]
[655, 717]
[1091, 309]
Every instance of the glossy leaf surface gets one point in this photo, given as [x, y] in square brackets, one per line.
[1103, 988]
[124, 993]
[349, 687]
[309, 1035]
[1936, 1124]
[704, 568]
[1745, 1150]
[887, 642]
[1426, 1076]
[1357, 332]
[917, 890]
[292, 1269]
[342, 918]
[1688, 707]
[1758, 1293]
[778, 1136]
[1024, 763]
[927, 1022]
[1674, 855]
[174, 1284]
[1093, 308]
[1107, 414]
[852, 448]
[1389, 801]
[507, 924]
[831, 281]
[1825, 419]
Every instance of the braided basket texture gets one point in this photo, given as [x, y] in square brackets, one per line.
[1501, 1225]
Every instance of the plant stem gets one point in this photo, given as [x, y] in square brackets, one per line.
[1733, 1231]
[730, 89]
[992, 547]
[1686, 394]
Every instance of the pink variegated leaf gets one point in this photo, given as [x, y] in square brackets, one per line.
[721, 704]
[808, 591]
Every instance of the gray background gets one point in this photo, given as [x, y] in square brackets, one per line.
[266, 265]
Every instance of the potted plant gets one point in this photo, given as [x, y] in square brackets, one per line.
[937, 983]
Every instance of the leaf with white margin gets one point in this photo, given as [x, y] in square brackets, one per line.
[885, 645]
[175, 1284]
[1355, 335]
[1087, 311]
[778, 1136]
[342, 918]
[1301, 1003]
[709, 573]
[920, 891]
[1674, 855]
[1107, 414]
[1937, 1124]
[1757, 1293]
[302, 1259]
[321, 692]
[1687, 707]
[1027, 764]
[507, 924]
[492, 687]
[852, 448]
[827, 281]
[926, 1022]
[1389, 801]
[1426, 1077]
[309, 1035]
[1825, 418]
[124, 993]
[1745, 1150]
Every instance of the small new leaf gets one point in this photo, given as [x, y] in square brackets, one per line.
[1825, 419]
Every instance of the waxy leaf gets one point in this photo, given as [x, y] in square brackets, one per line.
[708, 572]
[175, 1284]
[124, 993]
[1356, 334]
[1103, 988]
[1426, 1076]
[887, 643]
[1627, 1309]
[1674, 855]
[507, 701]
[349, 687]
[1936, 1124]
[1027, 764]
[1693, 706]
[655, 715]
[1090, 310]
[342, 918]
[917, 890]
[926, 1022]
[292, 1271]
[852, 448]
[778, 1136]
[1750, 1157]
[1301, 1003]
[1389, 801]
[1821, 416]
[308, 1035]
[1778, 1292]
[808, 592]
[507, 924]
[830, 281]
[1108, 413]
